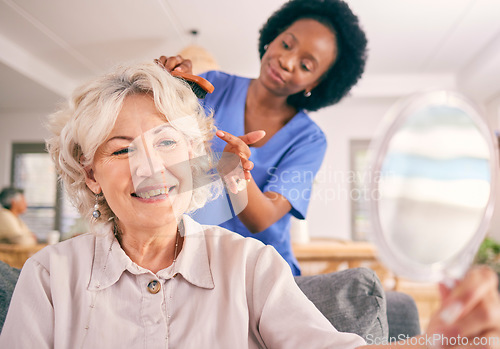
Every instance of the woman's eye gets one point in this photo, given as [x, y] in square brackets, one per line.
[305, 67]
[123, 151]
[285, 45]
[168, 143]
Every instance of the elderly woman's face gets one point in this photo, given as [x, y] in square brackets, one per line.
[143, 167]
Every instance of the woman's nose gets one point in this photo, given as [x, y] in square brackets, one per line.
[286, 61]
[148, 164]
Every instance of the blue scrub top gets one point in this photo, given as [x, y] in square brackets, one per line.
[286, 164]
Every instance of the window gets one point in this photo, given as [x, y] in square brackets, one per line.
[48, 209]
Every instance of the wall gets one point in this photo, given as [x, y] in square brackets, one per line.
[357, 118]
[25, 127]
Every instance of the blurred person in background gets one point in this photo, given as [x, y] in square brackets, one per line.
[12, 229]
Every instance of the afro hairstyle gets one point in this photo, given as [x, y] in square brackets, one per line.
[351, 41]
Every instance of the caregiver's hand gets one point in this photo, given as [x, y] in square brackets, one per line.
[235, 165]
[470, 312]
[176, 63]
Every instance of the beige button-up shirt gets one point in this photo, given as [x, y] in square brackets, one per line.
[224, 291]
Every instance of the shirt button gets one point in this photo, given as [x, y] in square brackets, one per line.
[154, 286]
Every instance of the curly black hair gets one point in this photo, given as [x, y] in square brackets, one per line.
[351, 41]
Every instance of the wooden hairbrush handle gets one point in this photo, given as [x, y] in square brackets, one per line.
[202, 83]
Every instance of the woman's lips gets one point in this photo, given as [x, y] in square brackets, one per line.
[149, 193]
[275, 75]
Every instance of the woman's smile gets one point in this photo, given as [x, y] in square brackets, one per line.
[154, 194]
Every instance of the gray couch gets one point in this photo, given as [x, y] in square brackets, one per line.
[353, 300]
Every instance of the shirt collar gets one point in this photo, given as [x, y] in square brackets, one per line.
[193, 263]
[110, 261]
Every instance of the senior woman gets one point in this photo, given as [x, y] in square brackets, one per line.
[131, 148]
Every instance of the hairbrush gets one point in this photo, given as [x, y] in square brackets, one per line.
[198, 85]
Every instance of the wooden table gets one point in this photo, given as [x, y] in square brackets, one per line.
[16, 255]
[321, 256]
[335, 251]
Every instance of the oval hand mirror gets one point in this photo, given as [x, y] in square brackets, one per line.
[435, 166]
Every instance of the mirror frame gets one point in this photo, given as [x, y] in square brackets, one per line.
[456, 266]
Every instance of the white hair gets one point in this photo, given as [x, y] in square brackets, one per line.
[85, 122]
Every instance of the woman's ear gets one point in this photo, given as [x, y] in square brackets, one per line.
[313, 86]
[89, 177]
[91, 182]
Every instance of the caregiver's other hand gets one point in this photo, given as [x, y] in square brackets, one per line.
[470, 312]
[235, 165]
[176, 63]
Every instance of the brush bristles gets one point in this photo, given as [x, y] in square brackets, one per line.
[198, 91]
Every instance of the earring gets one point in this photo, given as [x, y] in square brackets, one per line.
[96, 213]
[307, 94]
[266, 46]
